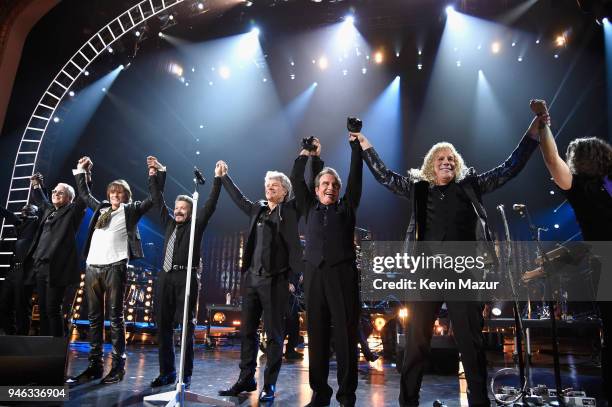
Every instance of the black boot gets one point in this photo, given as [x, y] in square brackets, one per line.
[114, 376]
[93, 371]
[239, 387]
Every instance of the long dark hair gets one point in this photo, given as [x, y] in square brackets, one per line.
[590, 156]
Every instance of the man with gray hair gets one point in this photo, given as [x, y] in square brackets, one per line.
[51, 262]
[271, 260]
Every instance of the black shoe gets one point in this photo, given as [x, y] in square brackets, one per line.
[114, 376]
[293, 355]
[317, 404]
[93, 371]
[371, 356]
[239, 387]
[267, 394]
[164, 380]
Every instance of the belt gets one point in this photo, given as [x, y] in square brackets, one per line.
[176, 267]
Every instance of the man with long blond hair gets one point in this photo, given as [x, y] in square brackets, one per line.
[445, 202]
[112, 240]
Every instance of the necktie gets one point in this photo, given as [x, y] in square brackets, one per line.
[169, 252]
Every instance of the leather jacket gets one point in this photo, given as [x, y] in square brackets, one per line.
[474, 185]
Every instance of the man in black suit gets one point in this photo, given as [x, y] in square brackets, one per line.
[15, 305]
[330, 275]
[271, 260]
[112, 240]
[51, 262]
[171, 280]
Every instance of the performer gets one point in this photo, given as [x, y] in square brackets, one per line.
[446, 205]
[15, 305]
[271, 259]
[51, 262]
[586, 180]
[330, 275]
[112, 239]
[171, 280]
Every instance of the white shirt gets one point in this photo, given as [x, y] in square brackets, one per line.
[110, 244]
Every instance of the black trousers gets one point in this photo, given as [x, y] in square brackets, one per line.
[292, 323]
[169, 303]
[16, 303]
[50, 301]
[332, 306]
[108, 282]
[467, 321]
[267, 295]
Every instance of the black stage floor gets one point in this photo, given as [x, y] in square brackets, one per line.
[378, 382]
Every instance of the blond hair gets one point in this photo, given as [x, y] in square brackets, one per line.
[427, 170]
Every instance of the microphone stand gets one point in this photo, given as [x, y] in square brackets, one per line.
[180, 395]
[546, 266]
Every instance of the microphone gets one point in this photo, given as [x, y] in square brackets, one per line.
[199, 176]
[519, 207]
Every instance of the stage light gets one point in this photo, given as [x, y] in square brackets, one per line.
[224, 72]
[210, 83]
[479, 47]
[403, 313]
[349, 19]
[556, 56]
[496, 311]
[86, 73]
[219, 317]
[556, 226]
[552, 192]
[480, 72]
[186, 83]
[397, 54]
[200, 6]
[248, 3]
[495, 47]
[323, 63]
[458, 64]
[378, 57]
[192, 69]
[236, 323]
[605, 20]
[170, 17]
[520, 59]
[56, 119]
[379, 323]
[292, 63]
[419, 66]
[201, 126]
[560, 41]
[198, 152]
[71, 93]
[255, 31]
[137, 33]
[110, 49]
[514, 44]
[315, 84]
[344, 72]
[364, 70]
[175, 69]
[538, 41]
[449, 10]
[122, 67]
[292, 76]
[160, 34]
[264, 80]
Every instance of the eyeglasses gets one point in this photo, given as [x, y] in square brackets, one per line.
[57, 192]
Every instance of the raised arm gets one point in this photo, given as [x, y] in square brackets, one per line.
[156, 183]
[394, 182]
[558, 168]
[84, 166]
[498, 176]
[304, 196]
[205, 212]
[242, 202]
[38, 196]
[355, 178]
[9, 216]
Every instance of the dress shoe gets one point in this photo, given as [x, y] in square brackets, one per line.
[164, 380]
[239, 387]
[114, 376]
[267, 394]
[293, 355]
[93, 371]
[371, 356]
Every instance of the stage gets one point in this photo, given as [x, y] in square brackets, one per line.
[378, 382]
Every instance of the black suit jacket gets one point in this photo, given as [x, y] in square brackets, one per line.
[25, 230]
[204, 213]
[133, 212]
[61, 249]
[287, 232]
